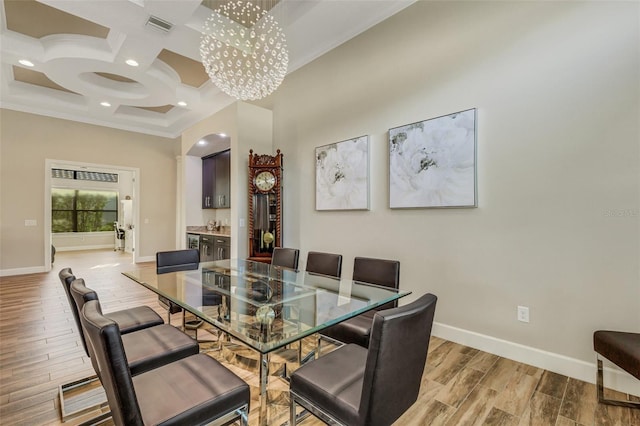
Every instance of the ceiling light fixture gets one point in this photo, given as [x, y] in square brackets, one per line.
[182, 103]
[105, 104]
[244, 50]
[132, 62]
[26, 62]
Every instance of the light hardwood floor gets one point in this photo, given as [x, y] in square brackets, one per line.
[40, 349]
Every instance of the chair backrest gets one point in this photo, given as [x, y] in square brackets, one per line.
[285, 257]
[177, 260]
[66, 278]
[111, 363]
[380, 272]
[395, 361]
[82, 294]
[324, 263]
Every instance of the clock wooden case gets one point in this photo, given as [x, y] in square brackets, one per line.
[265, 205]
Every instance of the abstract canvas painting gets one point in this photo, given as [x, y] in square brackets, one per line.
[342, 175]
[432, 163]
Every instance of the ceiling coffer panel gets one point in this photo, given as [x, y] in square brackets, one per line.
[36, 78]
[191, 72]
[38, 20]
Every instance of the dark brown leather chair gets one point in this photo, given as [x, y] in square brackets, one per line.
[373, 271]
[356, 386]
[146, 349]
[128, 320]
[324, 263]
[622, 349]
[285, 258]
[193, 390]
[172, 261]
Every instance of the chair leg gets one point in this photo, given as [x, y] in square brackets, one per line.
[292, 411]
[71, 395]
[244, 416]
[308, 409]
[328, 339]
[600, 388]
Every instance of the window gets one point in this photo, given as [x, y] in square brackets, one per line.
[78, 210]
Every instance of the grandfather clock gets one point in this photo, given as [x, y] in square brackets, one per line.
[265, 205]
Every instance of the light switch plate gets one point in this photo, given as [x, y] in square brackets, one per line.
[523, 313]
[30, 222]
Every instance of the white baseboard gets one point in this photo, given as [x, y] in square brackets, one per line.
[21, 271]
[582, 370]
[85, 247]
[40, 269]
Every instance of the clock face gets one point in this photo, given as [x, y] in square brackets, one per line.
[264, 181]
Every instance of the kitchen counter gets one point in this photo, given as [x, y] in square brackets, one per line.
[214, 233]
[224, 231]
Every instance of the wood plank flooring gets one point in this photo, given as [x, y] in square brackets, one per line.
[40, 349]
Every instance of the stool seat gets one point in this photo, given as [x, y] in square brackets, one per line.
[622, 349]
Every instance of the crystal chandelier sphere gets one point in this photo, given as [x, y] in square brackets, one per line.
[244, 50]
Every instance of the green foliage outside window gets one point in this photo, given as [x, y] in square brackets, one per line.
[78, 210]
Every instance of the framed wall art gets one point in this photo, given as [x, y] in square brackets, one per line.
[432, 163]
[342, 175]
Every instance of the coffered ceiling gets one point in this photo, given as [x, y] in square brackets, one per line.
[79, 52]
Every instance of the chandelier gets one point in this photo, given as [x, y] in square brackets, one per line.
[244, 50]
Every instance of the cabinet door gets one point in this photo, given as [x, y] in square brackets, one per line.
[222, 248]
[206, 249]
[208, 178]
[222, 180]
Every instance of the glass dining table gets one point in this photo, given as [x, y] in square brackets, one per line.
[264, 307]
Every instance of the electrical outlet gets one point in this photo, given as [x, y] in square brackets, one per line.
[523, 313]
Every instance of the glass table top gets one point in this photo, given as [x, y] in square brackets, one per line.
[264, 306]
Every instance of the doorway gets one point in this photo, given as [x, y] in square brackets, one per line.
[127, 185]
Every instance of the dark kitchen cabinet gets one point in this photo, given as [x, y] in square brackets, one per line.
[207, 250]
[216, 181]
[208, 177]
[222, 248]
[213, 247]
[222, 189]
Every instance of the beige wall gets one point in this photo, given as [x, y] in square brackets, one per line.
[557, 227]
[27, 140]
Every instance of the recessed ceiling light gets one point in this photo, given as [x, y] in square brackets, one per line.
[26, 62]
[182, 103]
[132, 62]
[222, 135]
[105, 104]
[202, 142]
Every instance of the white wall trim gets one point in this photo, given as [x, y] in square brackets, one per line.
[146, 259]
[22, 271]
[85, 247]
[49, 164]
[586, 371]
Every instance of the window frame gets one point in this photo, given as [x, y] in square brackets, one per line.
[75, 211]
